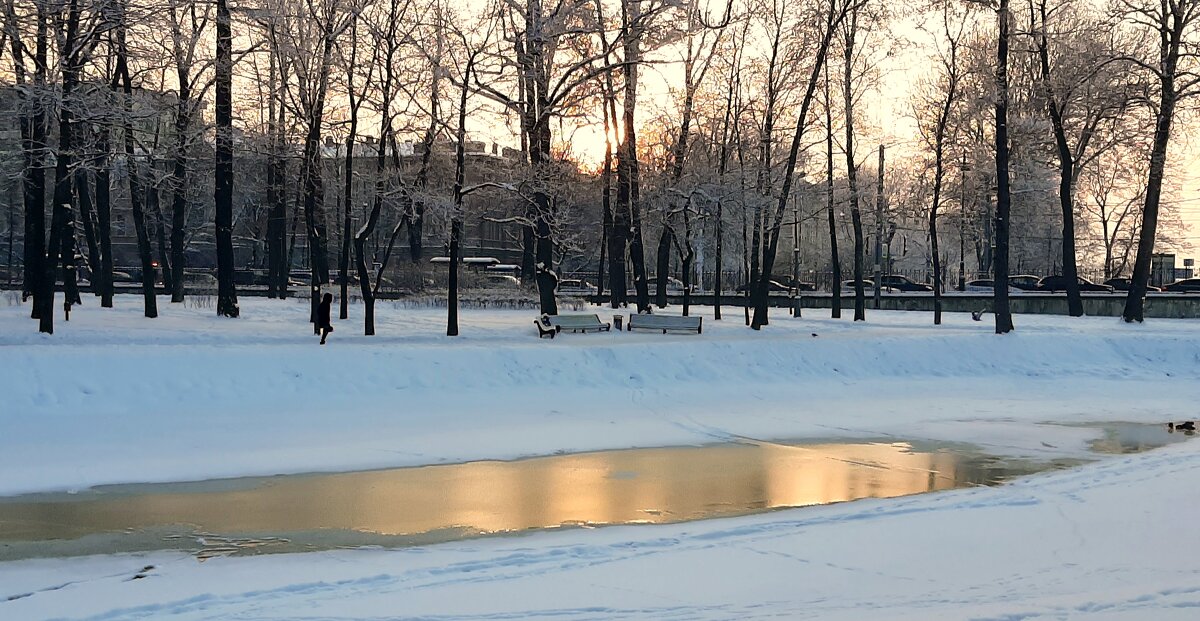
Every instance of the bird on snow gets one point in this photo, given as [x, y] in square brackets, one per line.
[1184, 426]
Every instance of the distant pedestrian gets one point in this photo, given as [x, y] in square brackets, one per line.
[323, 322]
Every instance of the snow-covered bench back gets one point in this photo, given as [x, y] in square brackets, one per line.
[666, 323]
[579, 323]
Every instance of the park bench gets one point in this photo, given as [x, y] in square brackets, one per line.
[665, 323]
[553, 324]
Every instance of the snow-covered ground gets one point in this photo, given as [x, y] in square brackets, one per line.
[113, 397]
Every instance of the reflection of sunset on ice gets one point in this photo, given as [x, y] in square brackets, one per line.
[631, 486]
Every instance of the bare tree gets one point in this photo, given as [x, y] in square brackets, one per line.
[189, 27]
[1084, 96]
[835, 14]
[387, 38]
[355, 101]
[548, 81]
[1114, 195]
[849, 33]
[133, 167]
[33, 127]
[1169, 29]
[835, 261]
[79, 34]
[945, 95]
[700, 40]
[308, 37]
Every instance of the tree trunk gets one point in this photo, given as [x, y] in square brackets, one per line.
[104, 220]
[368, 229]
[313, 184]
[33, 129]
[227, 305]
[456, 226]
[547, 280]
[179, 201]
[860, 308]
[154, 211]
[135, 185]
[1135, 300]
[835, 263]
[1000, 306]
[456, 219]
[719, 233]
[62, 233]
[277, 251]
[618, 237]
[689, 256]
[607, 220]
[663, 267]
[938, 171]
[86, 210]
[628, 181]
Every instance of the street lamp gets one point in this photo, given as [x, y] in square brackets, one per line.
[962, 218]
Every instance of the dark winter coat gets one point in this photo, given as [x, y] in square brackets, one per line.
[323, 320]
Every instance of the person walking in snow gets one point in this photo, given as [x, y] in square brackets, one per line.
[324, 324]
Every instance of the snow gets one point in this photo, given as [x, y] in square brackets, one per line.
[113, 397]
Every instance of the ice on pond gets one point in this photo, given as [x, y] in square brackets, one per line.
[414, 506]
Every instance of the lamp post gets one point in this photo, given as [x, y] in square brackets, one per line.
[962, 218]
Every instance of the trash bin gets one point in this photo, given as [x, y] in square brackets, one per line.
[617, 319]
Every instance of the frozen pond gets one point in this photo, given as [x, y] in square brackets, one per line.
[412, 506]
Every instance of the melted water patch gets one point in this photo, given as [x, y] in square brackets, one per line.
[423, 505]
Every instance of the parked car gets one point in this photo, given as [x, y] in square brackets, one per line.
[901, 283]
[1024, 282]
[987, 285]
[476, 263]
[983, 285]
[249, 277]
[773, 286]
[575, 286]
[199, 280]
[799, 285]
[17, 273]
[507, 269]
[674, 285]
[502, 281]
[1187, 285]
[1059, 283]
[1122, 284]
[136, 275]
[848, 285]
